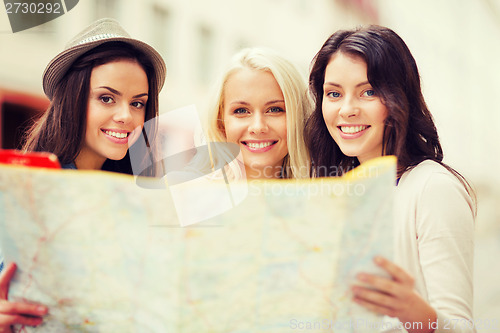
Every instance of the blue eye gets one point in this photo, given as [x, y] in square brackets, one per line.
[276, 109]
[333, 94]
[240, 111]
[369, 93]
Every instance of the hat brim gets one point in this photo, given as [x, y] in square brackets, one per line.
[58, 67]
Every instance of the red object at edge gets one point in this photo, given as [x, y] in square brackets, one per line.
[33, 159]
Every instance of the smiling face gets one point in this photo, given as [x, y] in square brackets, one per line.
[115, 112]
[353, 112]
[254, 117]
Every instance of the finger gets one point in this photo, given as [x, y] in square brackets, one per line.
[394, 270]
[20, 308]
[5, 278]
[374, 297]
[380, 283]
[6, 320]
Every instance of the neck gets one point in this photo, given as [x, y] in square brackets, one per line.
[263, 173]
[85, 162]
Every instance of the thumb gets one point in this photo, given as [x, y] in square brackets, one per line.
[5, 278]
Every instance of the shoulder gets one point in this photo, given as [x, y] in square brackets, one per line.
[425, 169]
[429, 176]
[431, 185]
[434, 193]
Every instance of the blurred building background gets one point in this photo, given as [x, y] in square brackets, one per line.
[455, 43]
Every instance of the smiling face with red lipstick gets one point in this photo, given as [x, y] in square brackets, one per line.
[254, 117]
[353, 112]
[116, 109]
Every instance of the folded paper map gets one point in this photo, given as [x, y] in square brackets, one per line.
[107, 255]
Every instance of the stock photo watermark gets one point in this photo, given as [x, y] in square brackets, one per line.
[308, 191]
[364, 324]
[26, 14]
[213, 175]
[190, 169]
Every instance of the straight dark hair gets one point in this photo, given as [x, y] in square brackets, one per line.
[61, 129]
[409, 130]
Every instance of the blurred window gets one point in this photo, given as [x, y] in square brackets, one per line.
[205, 54]
[161, 27]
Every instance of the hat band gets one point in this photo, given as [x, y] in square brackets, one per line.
[99, 37]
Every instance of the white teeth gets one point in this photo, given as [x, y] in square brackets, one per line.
[255, 145]
[116, 135]
[352, 129]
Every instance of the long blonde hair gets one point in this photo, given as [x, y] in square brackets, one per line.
[297, 104]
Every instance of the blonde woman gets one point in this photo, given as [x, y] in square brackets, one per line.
[260, 104]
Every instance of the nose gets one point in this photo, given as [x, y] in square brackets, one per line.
[122, 113]
[349, 107]
[258, 124]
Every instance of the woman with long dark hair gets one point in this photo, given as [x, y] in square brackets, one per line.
[101, 71]
[103, 90]
[368, 103]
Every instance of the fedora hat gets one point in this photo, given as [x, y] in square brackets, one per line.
[100, 32]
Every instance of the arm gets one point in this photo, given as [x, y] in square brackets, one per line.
[445, 227]
[444, 223]
[16, 312]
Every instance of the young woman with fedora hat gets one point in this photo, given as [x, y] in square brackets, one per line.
[101, 71]
[103, 88]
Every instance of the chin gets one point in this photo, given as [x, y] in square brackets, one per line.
[116, 156]
[349, 152]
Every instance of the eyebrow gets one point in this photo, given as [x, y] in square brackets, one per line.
[114, 91]
[239, 102]
[338, 85]
[270, 102]
[275, 101]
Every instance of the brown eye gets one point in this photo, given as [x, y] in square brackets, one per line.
[106, 99]
[138, 105]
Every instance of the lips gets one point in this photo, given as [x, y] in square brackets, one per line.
[259, 146]
[352, 131]
[116, 135]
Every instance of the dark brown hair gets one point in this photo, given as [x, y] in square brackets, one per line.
[61, 130]
[409, 131]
